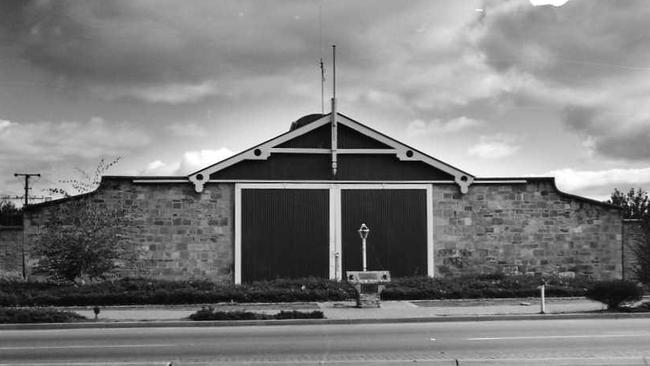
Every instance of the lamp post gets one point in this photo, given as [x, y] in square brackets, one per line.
[363, 233]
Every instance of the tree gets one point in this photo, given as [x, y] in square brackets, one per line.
[83, 238]
[86, 182]
[636, 205]
[10, 215]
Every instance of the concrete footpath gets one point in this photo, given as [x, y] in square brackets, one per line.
[343, 313]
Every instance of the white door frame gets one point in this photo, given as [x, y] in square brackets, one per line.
[335, 239]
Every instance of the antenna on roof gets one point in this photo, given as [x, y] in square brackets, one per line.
[333, 72]
[322, 86]
[322, 66]
[333, 115]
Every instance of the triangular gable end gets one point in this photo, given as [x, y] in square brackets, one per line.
[354, 138]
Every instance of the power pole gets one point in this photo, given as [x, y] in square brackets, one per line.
[27, 176]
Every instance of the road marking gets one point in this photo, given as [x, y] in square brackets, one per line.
[87, 346]
[100, 363]
[560, 337]
[480, 361]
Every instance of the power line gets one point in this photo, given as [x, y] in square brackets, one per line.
[27, 176]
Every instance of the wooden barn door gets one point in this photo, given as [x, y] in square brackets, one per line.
[397, 219]
[284, 233]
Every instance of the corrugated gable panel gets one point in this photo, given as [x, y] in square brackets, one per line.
[351, 139]
[318, 167]
[318, 138]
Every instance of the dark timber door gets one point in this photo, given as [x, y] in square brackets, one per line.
[397, 219]
[285, 233]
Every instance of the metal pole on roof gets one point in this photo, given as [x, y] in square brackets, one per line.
[333, 116]
[322, 66]
[334, 71]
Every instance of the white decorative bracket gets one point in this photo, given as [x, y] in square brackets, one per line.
[464, 181]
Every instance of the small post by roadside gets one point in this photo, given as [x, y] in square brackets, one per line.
[96, 311]
[542, 290]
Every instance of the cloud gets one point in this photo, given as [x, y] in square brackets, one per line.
[548, 2]
[167, 52]
[613, 132]
[190, 162]
[580, 59]
[599, 183]
[579, 44]
[54, 149]
[49, 141]
[4, 124]
[165, 93]
[158, 167]
[188, 129]
[436, 126]
[495, 146]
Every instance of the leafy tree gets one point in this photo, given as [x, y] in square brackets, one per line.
[83, 238]
[82, 241]
[636, 205]
[10, 215]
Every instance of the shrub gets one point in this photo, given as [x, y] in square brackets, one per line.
[209, 313]
[9, 315]
[480, 286]
[142, 291]
[614, 293]
[294, 314]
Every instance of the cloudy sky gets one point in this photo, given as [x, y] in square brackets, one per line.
[496, 88]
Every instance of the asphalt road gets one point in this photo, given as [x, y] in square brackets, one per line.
[541, 342]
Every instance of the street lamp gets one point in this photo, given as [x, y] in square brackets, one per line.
[363, 233]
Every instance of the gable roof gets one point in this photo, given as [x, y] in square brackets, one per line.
[362, 140]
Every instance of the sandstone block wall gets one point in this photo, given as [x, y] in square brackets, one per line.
[11, 257]
[527, 228]
[181, 234]
[510, 228]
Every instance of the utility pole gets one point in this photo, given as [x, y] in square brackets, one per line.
[27, 176]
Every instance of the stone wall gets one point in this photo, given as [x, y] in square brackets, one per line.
[513, 228]
[633, 236]
[181, 234]
[11, 256]
[528, 228]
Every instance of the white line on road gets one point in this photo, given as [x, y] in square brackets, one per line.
[443, 362]
[87, 346]
[560, 337]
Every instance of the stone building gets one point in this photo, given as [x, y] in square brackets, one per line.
[291, 207]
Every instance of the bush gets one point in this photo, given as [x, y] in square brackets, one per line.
[480, 286]
[209, 313]
[140, 291]
[614, 293]
[8, 315]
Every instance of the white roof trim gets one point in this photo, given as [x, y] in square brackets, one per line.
[406, 153]
[264, 150]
